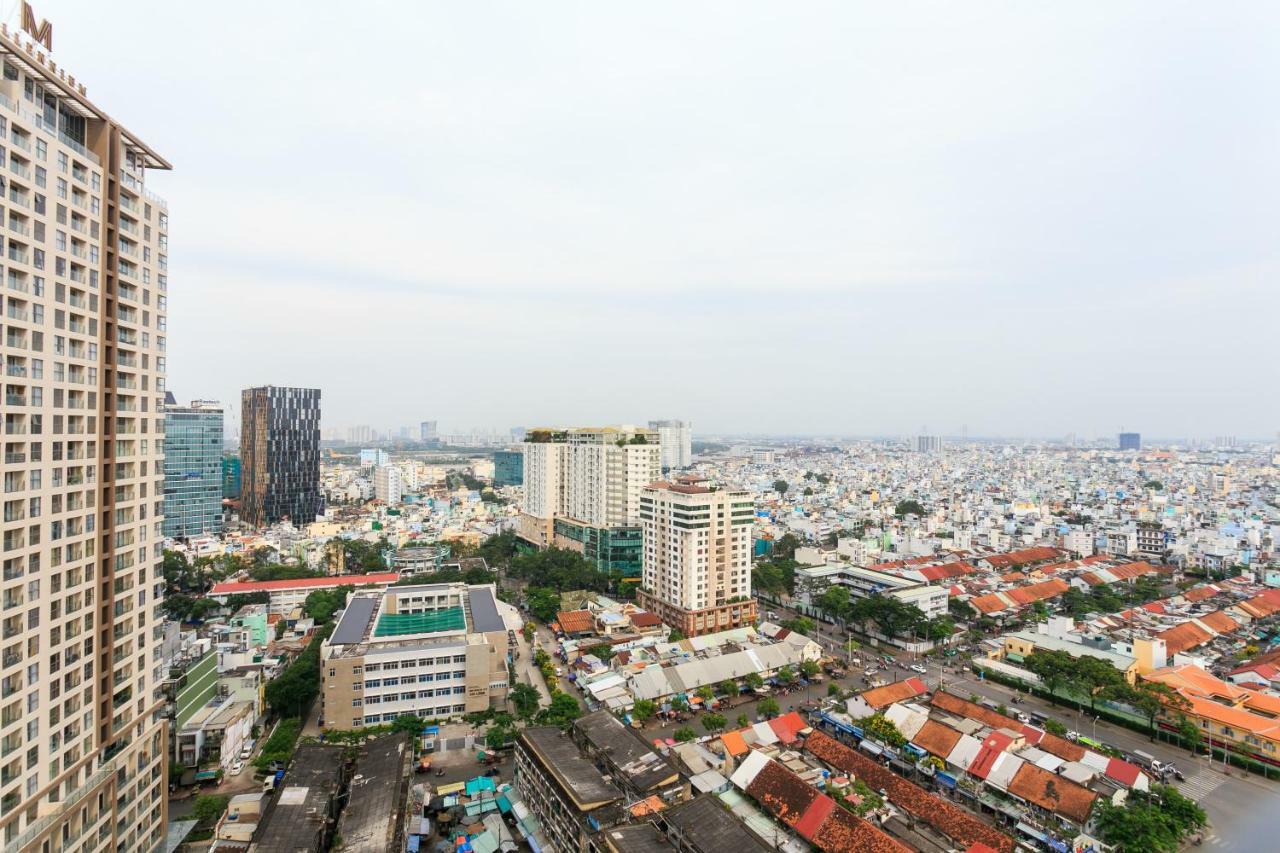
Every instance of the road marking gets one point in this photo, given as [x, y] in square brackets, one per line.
[1200, 785]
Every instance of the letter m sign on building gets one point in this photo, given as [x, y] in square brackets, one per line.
[41, 32]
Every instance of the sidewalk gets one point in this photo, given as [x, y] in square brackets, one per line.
[527, 672]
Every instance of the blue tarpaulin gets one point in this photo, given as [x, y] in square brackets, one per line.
[945, 779]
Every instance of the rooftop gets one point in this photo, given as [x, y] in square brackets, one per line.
[298, 814]
[575, 775]
[374, 815]
[709, 827]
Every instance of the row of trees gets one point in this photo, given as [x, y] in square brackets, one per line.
[1094, 679]
[891, 616]
[1156, 820]
[291, 692]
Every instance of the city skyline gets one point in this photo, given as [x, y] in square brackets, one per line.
[850, 192]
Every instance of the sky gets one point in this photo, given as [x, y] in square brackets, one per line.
[831, 218]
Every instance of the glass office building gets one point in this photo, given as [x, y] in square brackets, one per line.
[193, 470]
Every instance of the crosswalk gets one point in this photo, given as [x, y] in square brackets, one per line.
[1200, 785]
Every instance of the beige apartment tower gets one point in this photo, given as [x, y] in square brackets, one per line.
[82, 743]
[697, 555]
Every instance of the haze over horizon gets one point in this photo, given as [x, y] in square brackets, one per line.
[837, 218]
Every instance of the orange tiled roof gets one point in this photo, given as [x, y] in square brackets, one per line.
[990, 603]
[576, 621]
[1023, 557]
[882, 697]
[1219, 621]
[1188, 635]
[937, 738]
[1052, 792]
[734, 744]
[1200, 593]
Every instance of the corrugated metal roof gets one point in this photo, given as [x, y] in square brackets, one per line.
[484, 610]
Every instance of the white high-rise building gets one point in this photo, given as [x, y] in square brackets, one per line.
[387, 485]
[590, 475]
[676, 438]
[697, 555]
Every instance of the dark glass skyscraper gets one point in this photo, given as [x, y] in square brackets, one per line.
[280, 455]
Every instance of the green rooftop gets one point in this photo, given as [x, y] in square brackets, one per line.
[395, 624]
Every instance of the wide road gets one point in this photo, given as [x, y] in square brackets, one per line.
[1240, 805]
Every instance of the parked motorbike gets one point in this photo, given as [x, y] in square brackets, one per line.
[1177, 774]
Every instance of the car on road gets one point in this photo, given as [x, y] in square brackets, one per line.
[236, 767]
[1023, 717]
[915, 667]
[1073, 736]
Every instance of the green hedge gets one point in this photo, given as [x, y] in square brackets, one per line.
[279, 747]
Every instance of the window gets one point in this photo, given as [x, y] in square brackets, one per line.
[356, 703]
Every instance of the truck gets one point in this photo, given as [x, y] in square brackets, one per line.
[1147, 760]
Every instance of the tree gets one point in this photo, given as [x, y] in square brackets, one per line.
[705, 693]
[684, 734]
[809, 668]
[787, 674]
[800, 625]
[785, 547]
[728, 687]
[882, 729]
[743, 721]
[780, 486]
[292, 691]
[754, 681]
[604, 651]
[525, 698]
[675, 636]
[1055, 668]
[834, 602]
[563, 711]
[207, 808]
[768, 707]
[407, 723]
[1002, 709]
[808, 491]
[910, 506]
[543, 602]
[644, 709]
[834, 691]
[1054, 727]
[1151, 698]
[1155, 820]
[961, 609]
[1190, 733]
[713, 723]
[321, 604]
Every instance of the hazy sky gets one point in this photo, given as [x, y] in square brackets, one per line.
[1026, 218]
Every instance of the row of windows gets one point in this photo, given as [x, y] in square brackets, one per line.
[422, 678]
[390, 665]
[409, 697]
[424, 713]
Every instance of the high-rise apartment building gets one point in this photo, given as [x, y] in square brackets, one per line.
[280, 455]
[1130, 441]
[928, 444]
[192, 470]
[83, 751]
[387, 484]
[427, 431]
[676, 438]
[582, 491]
[697, 555]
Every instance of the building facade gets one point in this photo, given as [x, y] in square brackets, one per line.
[1130, 441]
[193, 470]
[582, 491]
[427, 431]
[434, 651]
[676, 438]
[82, 745]
[508, 468]
[928, 444]
[280, 455]
[388, 486]
[231, 476]
[697, 556]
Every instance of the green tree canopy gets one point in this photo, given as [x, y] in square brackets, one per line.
[525, 698]
[882, 729]
[910, 506]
